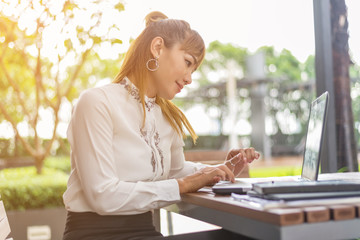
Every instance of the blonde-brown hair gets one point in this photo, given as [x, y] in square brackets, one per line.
[134, 63]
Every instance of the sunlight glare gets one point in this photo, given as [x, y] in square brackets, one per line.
[23, 129]
[27, 21]
[45, 125]
[6, 130]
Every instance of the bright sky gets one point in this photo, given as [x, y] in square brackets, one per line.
[246, 23]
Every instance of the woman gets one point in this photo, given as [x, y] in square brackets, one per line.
[126, 139]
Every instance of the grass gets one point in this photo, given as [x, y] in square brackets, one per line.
[58, 162]
[275, 171]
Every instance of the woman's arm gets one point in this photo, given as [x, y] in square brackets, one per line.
[91, 135]
[193, 176]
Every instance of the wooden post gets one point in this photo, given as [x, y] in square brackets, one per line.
[346, 147]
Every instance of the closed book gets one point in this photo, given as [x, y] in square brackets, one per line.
[304, 187]
[305, 195]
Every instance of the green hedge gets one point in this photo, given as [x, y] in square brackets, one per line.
[58, 162]
[21, 188]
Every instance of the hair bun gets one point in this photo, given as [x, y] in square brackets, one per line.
[154, 17]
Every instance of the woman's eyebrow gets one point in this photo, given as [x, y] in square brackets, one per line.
[195, 60]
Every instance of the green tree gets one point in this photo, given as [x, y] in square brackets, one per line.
[309, 68]
[282, 65]
[288, 77]
[290, 91]
[355, 94]
[50, 50]
[211, 93]
[217, 59]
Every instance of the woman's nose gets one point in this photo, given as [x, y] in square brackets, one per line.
[188, 79]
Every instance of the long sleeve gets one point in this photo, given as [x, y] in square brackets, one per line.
[99, 180]
[180, 167]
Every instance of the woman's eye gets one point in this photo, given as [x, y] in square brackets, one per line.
[188, 63]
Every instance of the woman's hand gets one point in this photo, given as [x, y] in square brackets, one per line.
[238, 159]
[204, 177]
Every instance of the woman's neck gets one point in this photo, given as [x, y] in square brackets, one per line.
[150, 91]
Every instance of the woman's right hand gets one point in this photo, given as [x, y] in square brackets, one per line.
[205, 177]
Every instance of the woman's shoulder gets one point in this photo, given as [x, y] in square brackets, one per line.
[98, 99]
[102, 92]
[92, 97]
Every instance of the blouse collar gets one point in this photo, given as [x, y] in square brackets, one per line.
[134, 92]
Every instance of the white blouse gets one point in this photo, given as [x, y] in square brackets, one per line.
[118, 165]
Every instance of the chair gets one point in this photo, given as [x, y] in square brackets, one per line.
[4, 223]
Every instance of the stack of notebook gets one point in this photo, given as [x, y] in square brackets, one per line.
[305, 190]
[307, 186]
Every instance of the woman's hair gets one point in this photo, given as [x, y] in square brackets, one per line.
[172, 31]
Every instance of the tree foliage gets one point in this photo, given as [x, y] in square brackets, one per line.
[289, 87]
[218, 55]
[49, 51]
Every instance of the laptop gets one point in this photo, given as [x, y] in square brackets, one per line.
[310, 167]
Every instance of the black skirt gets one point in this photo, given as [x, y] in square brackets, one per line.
[92, 226]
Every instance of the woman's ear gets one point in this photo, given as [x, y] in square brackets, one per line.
[157, 44]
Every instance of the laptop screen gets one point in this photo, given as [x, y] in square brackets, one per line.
[314, 136]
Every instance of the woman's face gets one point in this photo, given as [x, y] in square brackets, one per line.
[174, 72]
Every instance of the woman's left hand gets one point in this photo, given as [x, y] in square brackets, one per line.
[238, 159]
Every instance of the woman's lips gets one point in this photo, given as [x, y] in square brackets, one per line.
[179, 86]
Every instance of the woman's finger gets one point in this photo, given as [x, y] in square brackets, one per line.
[244, 154]
[250, 153]
[232, 153]
[211, 172]
[228, 173]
